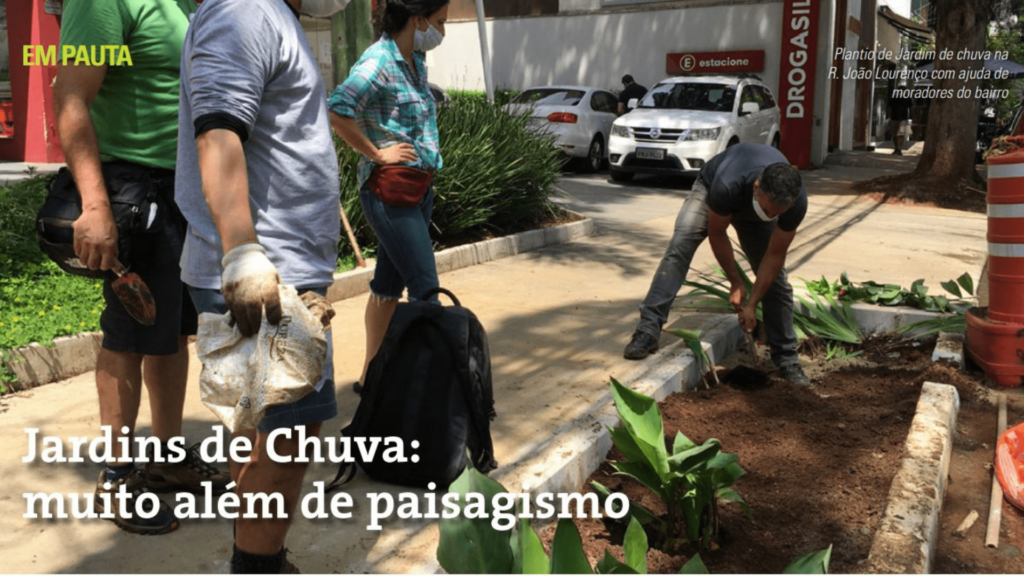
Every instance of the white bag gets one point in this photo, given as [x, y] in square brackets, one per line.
[242, 377]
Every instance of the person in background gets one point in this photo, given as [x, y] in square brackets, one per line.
[122, 120]
[899, 122]
[258, 184]
[384, 110]
[752, 188]
[630, 90]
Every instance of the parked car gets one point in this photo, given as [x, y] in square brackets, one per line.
[579, 118]
[683, 122]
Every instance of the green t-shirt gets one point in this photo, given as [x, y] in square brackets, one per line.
[136, 110]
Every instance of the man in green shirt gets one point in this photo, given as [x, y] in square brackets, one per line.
[122, 121]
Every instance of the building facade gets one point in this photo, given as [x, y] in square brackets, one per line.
[595, 42]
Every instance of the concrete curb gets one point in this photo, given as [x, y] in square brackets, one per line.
[35, 365]
[905, 541]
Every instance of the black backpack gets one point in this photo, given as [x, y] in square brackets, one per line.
[430, 382]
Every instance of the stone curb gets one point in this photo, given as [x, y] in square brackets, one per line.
[35, 365]
[905, 541]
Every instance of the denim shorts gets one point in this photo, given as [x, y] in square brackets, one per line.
[319, 406]
[405, 253]
[154, 257]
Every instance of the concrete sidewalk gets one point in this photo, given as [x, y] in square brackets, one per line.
[557, 320]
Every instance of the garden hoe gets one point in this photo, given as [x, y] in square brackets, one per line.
[755, 376]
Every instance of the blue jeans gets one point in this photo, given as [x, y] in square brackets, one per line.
[691, 229]
[318, 406]
[405, 254]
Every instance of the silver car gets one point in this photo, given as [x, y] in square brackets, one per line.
[578, 117]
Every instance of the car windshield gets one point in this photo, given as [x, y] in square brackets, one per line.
[552, 96]
[690, 96]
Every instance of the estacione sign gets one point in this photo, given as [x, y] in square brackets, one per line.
[796, 79]
[709, 62]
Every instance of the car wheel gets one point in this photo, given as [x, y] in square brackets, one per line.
[595, 156]
[733, 142]
[620, 176]
[776, 142]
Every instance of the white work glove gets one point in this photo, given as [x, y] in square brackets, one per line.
[249, 284]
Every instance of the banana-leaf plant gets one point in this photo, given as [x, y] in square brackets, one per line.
[690, 480]
[475, 546]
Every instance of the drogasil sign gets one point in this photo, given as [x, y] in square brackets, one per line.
[796, 79]
[709, 62]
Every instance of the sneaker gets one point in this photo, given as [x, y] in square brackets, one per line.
[187, 475]
[135, 482]
[794, 374]
[640, 346]
[357, 388]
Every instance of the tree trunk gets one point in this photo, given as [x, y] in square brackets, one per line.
[953, 122]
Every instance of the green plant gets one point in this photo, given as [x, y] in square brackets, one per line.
[690, 480]
[713, 288]
[893, 294]
[497, 175]
[828, 319]
[501, 96]
[692, 340]
[812, 563]
[19, 203]
[42, 302]
[475, 546]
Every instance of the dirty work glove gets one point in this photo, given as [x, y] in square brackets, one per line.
[249, 284]
[319, 306]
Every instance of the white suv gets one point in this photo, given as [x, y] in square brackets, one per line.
[683, 122]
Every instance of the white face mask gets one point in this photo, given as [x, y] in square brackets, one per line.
[760, 211]
[426, 40]
[322, 8]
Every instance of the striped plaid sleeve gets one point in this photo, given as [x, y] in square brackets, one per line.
[355, 92]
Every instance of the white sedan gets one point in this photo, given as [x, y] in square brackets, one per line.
[578, 117]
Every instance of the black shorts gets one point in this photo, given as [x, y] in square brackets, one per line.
[155, 258]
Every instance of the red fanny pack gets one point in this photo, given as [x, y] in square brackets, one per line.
[398, 185]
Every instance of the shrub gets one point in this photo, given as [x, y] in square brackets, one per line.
[502, 96]
[19, 203]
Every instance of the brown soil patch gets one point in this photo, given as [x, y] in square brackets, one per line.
[969, 488]
[925, 190]
[819, 462]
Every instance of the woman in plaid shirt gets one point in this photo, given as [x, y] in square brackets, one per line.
[384, 110]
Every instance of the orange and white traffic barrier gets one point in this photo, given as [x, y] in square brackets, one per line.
[995, 335]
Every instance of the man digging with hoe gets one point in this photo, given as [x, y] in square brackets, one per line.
[753, 188]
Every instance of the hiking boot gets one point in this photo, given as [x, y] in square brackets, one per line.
[794, 374]
[187, 475]
[640, 346]
[135, 484]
